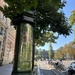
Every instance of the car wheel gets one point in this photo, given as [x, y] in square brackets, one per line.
[69, 73]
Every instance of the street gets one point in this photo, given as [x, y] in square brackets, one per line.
[46, 69]
[43, 69]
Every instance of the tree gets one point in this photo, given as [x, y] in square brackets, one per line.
[72, 18]
[16, 7]
[51, 52]
[56, 55]
[44, 54]
[71, 50]
[45, 37]
[59, 53]
[72, 21]
[47, 17]
[65, 50]
[37, 53]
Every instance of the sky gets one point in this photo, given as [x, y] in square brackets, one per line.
[61, 41]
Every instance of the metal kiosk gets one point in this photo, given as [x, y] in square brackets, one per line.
[24, 48]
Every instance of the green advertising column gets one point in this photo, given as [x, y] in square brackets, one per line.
[25, 48]
[24, 51]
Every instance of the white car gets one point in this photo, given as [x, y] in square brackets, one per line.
[71, 68]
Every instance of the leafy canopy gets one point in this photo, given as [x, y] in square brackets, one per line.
[47, 17]
[72, 22]
[72, 18]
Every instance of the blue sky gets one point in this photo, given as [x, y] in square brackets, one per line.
[61, 41]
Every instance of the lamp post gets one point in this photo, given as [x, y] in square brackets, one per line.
[24, 47]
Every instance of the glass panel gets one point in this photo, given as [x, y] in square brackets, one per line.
[25, 48]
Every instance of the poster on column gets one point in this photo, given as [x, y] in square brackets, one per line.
[25, 48]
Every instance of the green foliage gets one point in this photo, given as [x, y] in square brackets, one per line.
[72, 18]
[72, 22]
[58, 3]
[51, 52]
[68, 51]
[45, 37]
[49, 19]
[59, 53]
[46, 14]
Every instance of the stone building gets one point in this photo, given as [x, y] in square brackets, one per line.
[10, 45]
[7, 38]
[2, 32]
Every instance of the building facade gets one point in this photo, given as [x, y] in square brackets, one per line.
[7, 38]
[2, 32]
[9, 46]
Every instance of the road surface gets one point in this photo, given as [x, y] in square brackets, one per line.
[46, 69]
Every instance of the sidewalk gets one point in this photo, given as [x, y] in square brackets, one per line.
[6, 69]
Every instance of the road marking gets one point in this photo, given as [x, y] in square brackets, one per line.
[39, 73]
[54, 72]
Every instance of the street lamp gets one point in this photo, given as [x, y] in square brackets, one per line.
[24, 47]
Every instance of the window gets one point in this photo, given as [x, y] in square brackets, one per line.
[0, 44]
[1, 30]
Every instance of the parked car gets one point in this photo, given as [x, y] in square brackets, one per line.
[71, 69]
